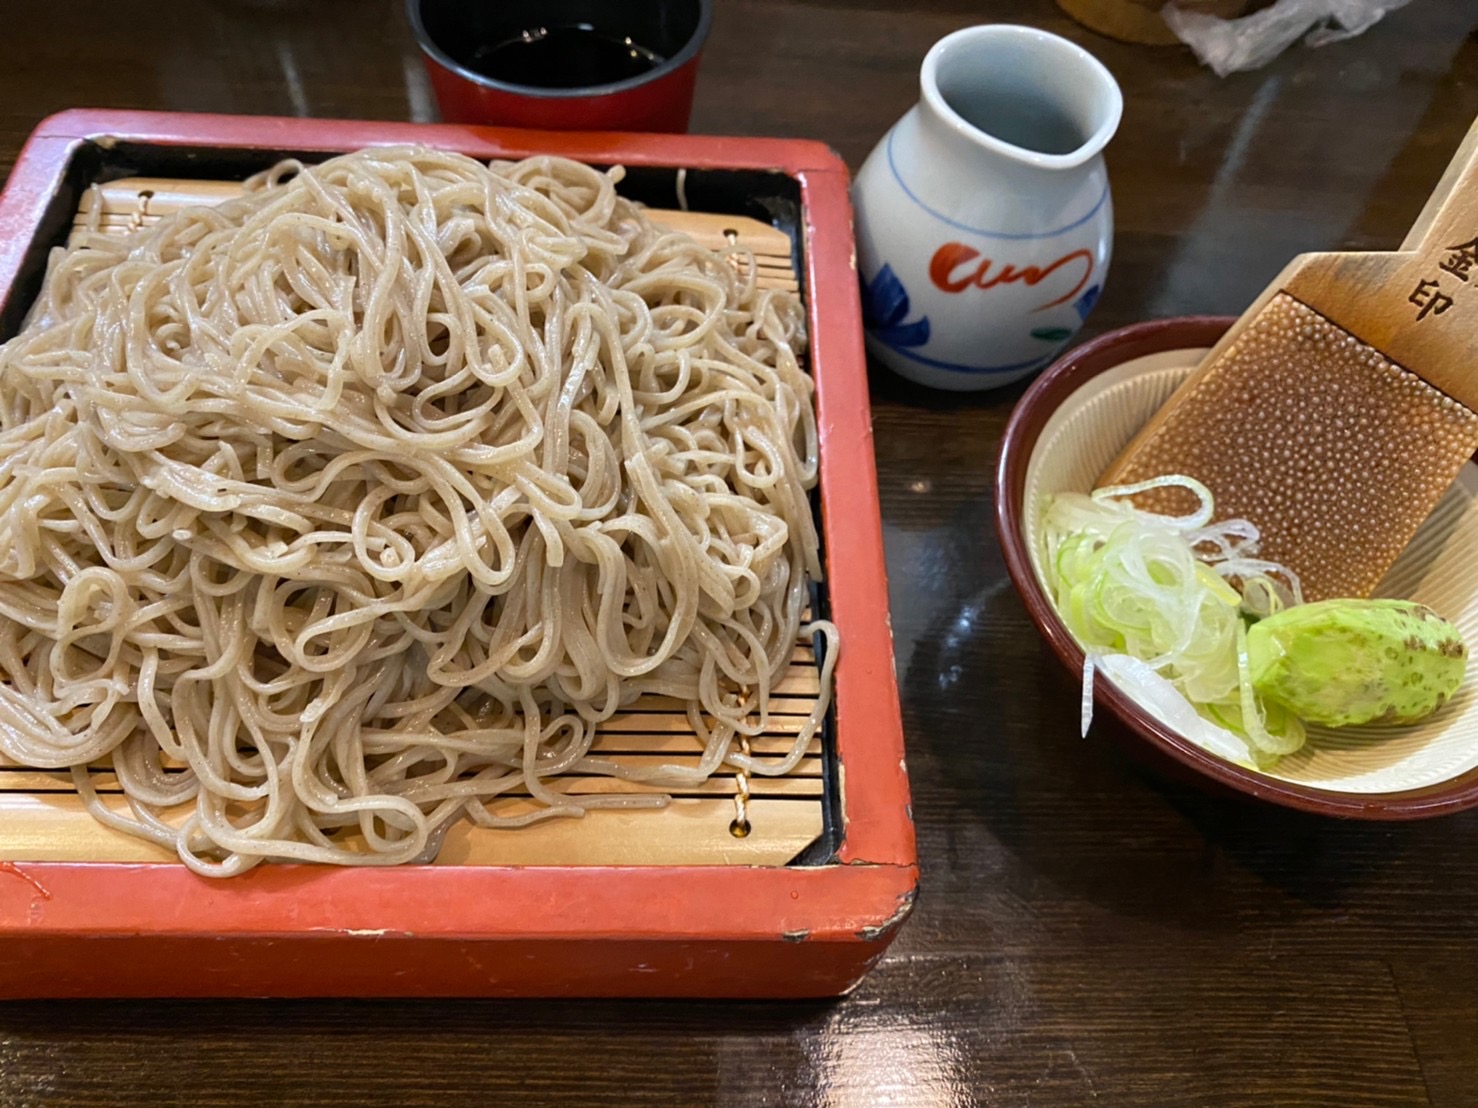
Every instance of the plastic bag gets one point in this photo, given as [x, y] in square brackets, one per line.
[1232, 45]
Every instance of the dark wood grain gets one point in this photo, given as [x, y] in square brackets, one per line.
[1087, 933]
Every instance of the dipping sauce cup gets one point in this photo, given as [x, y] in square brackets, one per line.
[574, 65]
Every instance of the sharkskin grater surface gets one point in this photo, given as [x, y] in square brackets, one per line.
[1336, 453]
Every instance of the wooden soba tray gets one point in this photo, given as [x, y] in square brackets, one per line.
[680, 901]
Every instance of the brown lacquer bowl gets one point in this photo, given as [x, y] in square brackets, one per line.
[1067, 428]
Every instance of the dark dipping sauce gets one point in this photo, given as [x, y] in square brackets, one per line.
[570, 56]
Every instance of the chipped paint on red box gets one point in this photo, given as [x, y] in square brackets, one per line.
[111, 929]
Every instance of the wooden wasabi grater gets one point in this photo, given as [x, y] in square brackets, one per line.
[1341, 405]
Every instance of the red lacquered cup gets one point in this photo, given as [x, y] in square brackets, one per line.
[563, 64]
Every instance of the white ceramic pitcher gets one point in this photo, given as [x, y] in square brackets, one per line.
[984, 223]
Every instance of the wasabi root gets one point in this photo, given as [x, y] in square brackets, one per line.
[1341, 663]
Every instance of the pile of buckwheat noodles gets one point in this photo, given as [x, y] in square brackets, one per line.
[365, 497]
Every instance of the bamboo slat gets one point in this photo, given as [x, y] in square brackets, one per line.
[131, 203]
[43, 819]
[55, 827]
[804, 780]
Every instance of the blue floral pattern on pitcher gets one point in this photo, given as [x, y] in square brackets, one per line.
[885, 309]
[1084, 304]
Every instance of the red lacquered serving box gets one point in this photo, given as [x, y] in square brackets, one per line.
[812, 927]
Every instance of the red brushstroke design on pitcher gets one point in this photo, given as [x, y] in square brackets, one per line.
[952, 255]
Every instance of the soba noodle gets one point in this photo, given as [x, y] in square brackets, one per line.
[339, 511]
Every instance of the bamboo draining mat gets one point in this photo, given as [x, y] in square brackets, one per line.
[43, 819]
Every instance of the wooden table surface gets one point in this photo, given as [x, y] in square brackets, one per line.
[1086, 933]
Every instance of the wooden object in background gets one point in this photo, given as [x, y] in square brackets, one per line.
[1341, 405]
[1140, 21]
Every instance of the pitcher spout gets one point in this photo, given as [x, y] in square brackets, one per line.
[1022, 94]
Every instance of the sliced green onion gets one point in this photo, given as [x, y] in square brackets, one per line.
[1173, 592]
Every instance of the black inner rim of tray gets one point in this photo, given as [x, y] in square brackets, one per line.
[769, 196]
